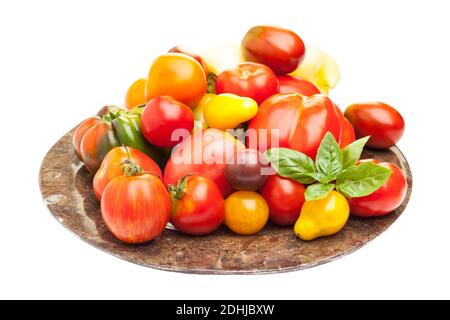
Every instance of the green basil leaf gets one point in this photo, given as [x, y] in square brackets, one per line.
[291, 164]
[329, 160]
[318, 191]
[362, 180]
[352, 152]
[320, 178]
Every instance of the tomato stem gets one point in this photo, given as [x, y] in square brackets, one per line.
[179, 190]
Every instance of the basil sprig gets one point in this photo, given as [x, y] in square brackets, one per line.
[333, 169]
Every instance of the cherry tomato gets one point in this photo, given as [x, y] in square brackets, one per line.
[204, 153]
[290, 84]
[198, 207]
[293, 121]
[348, 134]
[117, 161]
[280, 49]
[285, 198]
[381, 122]
[161, 117]
[199, 59]
[136, 209]
[386, 199]
[245, 170]
[177, 75]
[248, 79]
[246, 212]
[136, 94]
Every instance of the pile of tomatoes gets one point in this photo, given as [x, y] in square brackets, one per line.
[168, 154]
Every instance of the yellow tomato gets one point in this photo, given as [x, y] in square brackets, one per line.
[227, 111]
[246, 212]
[199, 120]
[136, 94]
[322, 217]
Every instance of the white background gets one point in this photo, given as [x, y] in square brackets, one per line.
[62, 60]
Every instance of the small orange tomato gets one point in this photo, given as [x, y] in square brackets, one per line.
[177, 75]
[119, 160]
[136, 94]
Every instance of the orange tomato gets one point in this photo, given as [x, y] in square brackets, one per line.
[136, 94]
[177, 75]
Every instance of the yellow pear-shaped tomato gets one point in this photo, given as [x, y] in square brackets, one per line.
[227, 111]
[322, 217]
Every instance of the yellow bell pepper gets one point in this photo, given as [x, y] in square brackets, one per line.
[227, 111]
[199, 120]
[322, 217]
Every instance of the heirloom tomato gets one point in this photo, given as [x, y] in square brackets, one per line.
[198, 207]
[290, 84]
[280, 49]
[296, 122]
[384, 200]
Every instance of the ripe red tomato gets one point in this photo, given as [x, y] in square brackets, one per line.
[290, 84]
[248, 79]
[280, 49]
[204, 153]
[381, 122]
[116, 161]
[348, 134]
[199, 59]
[296, 122]
[386, 199]
[161, 117]
[198, 207]
[285, 198]
[136, 209]
[177, 75]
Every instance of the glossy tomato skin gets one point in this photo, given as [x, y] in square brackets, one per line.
[201, 208]
[280, 49]
[248, 79]
[285, 198]
[136, 209]
[293, 121]
[348, 134]
[246, 170]
[96, 143]
[290, 84]
[204, 153]
[80, 131]
[386, 199]
[161, 117]
[380, 121]
[199, 59]
[112, 166]
[177, 75]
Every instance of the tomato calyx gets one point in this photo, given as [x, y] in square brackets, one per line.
[178, 191]
[110, 113]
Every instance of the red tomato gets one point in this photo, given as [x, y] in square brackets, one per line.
[290, 84]
[116, 161]
[199, 59]
[177, 75]
[280, 49]
[161, 117]
[296, 122]
[381, 122]
[204, 153]
[248, 79]
[136, 209]
[348, 134]
[285, 198]
[386, 199]
[198, 207]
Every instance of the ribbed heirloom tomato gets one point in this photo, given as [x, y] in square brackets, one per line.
[386, 199]
[198, 207]
[295, 122]
[177, 75]
[290, 84]
[253, 80]
[118, 161]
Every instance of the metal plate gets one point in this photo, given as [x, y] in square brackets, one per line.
[66, 187]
